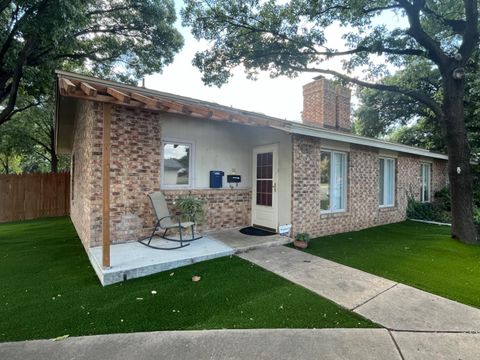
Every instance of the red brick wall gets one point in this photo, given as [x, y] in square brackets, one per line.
[362, 192]
[326, 105]
[223, 208]
[85, 175]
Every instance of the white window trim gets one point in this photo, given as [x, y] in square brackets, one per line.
[345, 168]
[394, 181]
[190, 163]
[429, 165]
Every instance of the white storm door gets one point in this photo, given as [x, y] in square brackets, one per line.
[265, 179]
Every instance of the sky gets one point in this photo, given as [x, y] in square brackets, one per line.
[279, 97]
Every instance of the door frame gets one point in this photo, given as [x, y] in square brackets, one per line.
[275, 175]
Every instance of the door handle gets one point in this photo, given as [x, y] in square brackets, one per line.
[274, 187]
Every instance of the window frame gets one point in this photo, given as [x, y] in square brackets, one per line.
[394, 183]
[429, 183]
[345, 172]
[176, 141]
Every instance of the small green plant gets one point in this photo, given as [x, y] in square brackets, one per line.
[191, 208]
[302, 237]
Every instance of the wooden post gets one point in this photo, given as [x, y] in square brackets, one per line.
[107, 115]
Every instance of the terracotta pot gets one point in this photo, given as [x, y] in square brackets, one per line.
[300, 244]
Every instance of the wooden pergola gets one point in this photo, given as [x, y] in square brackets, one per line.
[110, 93]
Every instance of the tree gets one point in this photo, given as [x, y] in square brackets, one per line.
[35, 126]
[289, 38]
[397, 118]
[13, 146]
[123, 39]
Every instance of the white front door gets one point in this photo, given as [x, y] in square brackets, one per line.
[264, 196]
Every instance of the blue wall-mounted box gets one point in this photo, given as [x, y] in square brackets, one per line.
[216, 179]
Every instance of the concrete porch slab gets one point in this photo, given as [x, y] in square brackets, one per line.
[132, 260]
[241, 242]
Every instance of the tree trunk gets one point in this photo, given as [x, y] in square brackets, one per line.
[54, 162]
[53, 153]
[459, 171]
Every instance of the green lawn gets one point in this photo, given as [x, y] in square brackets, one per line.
[48, 289]
[413, 253]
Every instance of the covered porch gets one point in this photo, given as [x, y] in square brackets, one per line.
[128, 142]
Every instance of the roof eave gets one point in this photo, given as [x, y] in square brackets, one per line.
[302, 129]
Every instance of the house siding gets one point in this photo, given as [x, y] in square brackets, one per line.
[362, 189]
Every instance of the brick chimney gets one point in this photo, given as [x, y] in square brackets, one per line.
[326, 104]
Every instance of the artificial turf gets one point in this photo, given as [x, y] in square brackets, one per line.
[48, 289]
[417, 254]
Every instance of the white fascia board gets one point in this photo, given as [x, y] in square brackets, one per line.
[361, 140]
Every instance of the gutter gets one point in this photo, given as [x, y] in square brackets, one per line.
[302, 129]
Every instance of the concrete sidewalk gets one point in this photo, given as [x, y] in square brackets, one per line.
[326, 344]
[390, 304]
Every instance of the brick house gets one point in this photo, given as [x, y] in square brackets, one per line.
[316, 175]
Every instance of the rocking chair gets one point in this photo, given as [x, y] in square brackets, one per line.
[165, 222]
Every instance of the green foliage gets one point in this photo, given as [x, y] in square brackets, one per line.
[30, 137]
[191, 208]
[302, 237]
[439, 210]
[443, 198]
[476, 216]
[124, 40]
[13, 147]
[427, 211]
[49, 289]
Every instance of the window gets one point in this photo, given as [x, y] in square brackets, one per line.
[177, 164]
[425, 173]
[333, 180]
[265, 179]
[387, 182]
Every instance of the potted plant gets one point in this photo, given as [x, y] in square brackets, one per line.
[191, 208]
[301, 240]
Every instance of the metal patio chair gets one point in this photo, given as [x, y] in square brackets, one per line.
[165, 222]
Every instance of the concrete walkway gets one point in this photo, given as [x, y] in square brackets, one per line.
[326, 344]
[392, 305]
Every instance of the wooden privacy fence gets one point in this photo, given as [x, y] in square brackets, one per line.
[31, 196]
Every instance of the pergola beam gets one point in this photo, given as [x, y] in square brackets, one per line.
[145, 100]
[120, 96]
[88, 89]
[67, 85]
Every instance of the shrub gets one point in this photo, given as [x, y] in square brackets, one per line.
[427, 211]
[476, 215]
[443, 199]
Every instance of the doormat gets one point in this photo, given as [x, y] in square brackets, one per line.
[255, 231]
